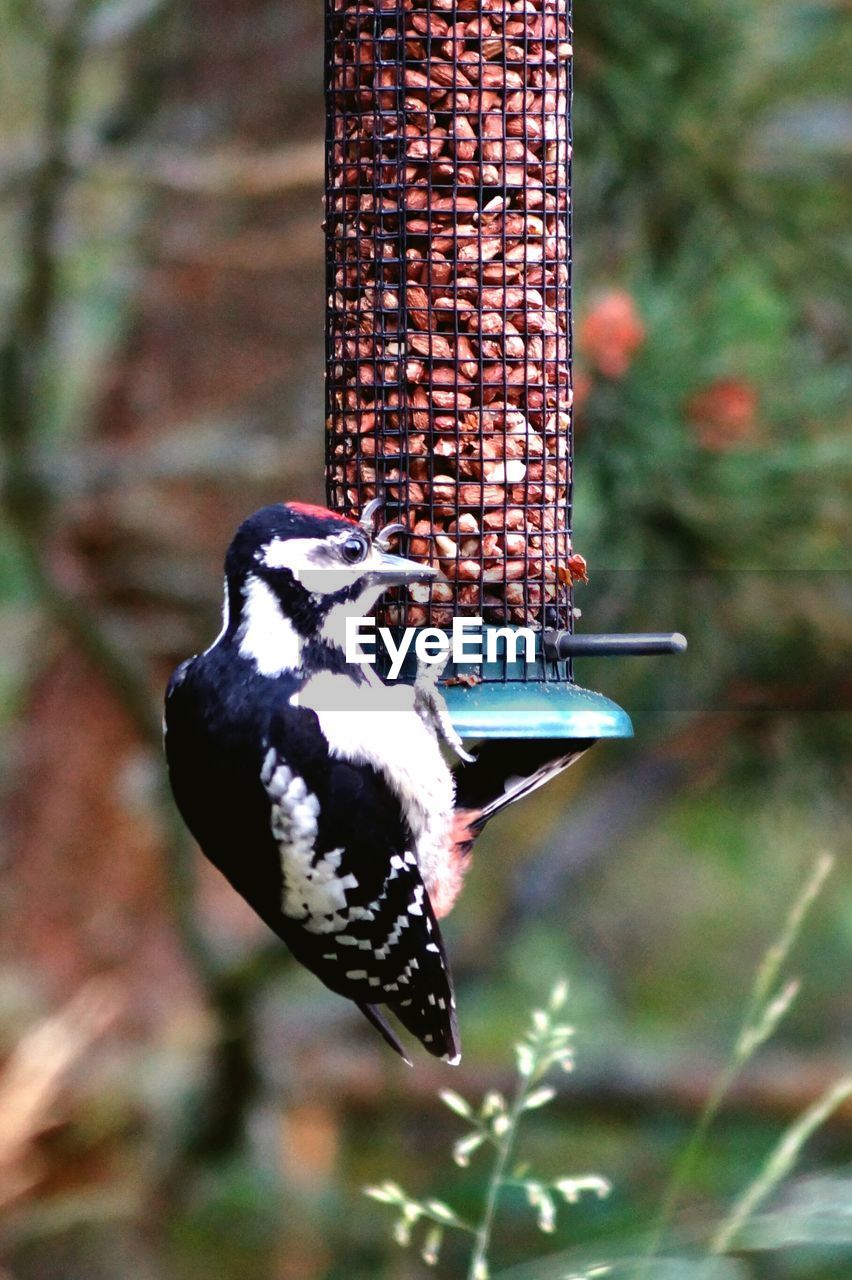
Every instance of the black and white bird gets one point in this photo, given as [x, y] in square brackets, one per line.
[322, 793]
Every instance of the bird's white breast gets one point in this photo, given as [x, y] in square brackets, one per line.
[376, 724]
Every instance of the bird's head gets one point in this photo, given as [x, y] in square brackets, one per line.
[295, 572]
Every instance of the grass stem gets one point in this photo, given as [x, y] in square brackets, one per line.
[764, 1011]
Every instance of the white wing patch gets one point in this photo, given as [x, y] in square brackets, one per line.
[313, 892]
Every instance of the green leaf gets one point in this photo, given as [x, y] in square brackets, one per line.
[402, 1232]
[580, 1263]
[387, 1193]
[546, 1213]
[539, 1098]
[494, 1104]
[780, 1162]
[526, 1060]
[431, 1251]
[572, 1188]
[540, 1020]
[465, 1147]
[814, 1210]
[456, 1103]
[442, 1211]
[682, 1269]
[558, 996]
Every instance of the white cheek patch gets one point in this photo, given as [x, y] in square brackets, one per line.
[334, 623]
[328, 580]
[288, 553]
[304, 558]
[265, 637]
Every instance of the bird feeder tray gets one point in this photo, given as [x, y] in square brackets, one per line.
[535, 709]
[515, 699]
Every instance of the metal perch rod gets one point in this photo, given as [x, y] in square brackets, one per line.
[561, 645]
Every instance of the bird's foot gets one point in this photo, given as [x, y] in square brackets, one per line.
[430, 705]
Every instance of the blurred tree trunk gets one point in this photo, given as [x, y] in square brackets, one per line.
[211, 404]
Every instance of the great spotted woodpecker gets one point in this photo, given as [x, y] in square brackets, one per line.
[321, 792]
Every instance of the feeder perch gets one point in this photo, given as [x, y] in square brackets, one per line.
[448, 329]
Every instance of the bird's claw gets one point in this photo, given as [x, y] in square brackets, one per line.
[430, 705]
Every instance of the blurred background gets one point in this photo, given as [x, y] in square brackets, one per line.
[178, 1100]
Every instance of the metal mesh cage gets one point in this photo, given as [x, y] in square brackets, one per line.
[449, 295]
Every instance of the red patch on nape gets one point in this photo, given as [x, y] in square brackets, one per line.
[318, 512]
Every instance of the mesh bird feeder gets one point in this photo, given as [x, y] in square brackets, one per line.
[448, 226]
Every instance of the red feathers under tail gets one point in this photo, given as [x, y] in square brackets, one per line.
[484, 788]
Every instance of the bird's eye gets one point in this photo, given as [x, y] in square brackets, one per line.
[355, 549]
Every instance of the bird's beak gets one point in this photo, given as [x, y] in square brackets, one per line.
[396, 571]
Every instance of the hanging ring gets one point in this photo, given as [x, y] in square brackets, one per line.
[367, 515]
[384, 535]
[368, 518]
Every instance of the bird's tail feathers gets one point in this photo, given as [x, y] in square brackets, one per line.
[494, 781]
[435, 1025]
[518, 787]
[377, 1019]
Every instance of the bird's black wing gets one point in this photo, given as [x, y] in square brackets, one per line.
[353, 905]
